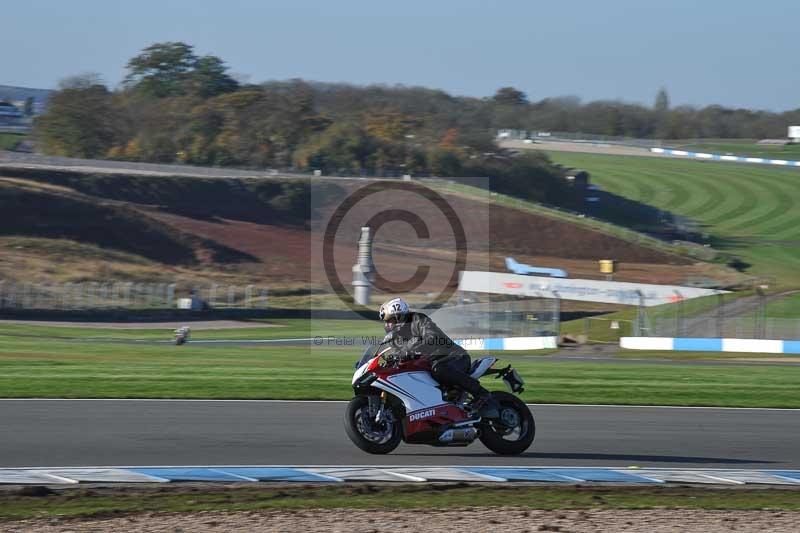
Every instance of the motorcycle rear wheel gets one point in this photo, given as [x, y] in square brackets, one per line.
[358, 425]
[494, 432]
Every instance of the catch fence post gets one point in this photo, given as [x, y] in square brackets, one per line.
[231, 295]
[265, 298]
[26, 295]
[678, 314]
[12, 294]
[640, 316]
[128, 288]
[152, 294]
[557, 314]
[170, 295]
[91, 295]
[761, 312]
[77, 295]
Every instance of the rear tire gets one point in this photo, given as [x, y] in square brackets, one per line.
[498, 437]
[356, 425]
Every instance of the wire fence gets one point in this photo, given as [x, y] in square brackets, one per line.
[719, 316]
[90, 295]
[606, 330]
[532, 317]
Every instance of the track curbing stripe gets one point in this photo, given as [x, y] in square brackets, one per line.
[413, 474]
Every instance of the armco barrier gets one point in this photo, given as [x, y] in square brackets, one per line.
[710, 345]
[730, 158]
[509, 343]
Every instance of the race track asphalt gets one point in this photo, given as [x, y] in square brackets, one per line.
[154, 432]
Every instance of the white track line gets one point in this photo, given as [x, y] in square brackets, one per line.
[788, 409]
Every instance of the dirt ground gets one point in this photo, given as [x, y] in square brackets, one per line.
[357, 521]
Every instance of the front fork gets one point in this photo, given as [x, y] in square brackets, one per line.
[377, 407]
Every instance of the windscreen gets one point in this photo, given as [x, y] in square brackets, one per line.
[370, 352]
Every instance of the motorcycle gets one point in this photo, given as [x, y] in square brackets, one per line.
[182, 335]
[398, 400]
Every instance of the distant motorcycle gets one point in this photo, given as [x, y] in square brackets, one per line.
[182, 335]
[400, 401]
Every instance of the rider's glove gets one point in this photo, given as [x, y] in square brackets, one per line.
[409, 356]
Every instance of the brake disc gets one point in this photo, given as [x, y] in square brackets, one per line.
[509, 418]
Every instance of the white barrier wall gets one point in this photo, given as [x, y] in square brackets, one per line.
[710, 345]
[730, 158]
[508, 344]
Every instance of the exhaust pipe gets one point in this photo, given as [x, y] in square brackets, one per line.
[466, 435]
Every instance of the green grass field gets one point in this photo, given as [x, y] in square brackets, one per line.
[787, 307]
[751, 211]
[272, 329]
[41, 366]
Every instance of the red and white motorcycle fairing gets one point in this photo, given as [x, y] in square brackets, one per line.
[429, 418]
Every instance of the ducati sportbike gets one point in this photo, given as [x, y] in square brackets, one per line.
[398, 400]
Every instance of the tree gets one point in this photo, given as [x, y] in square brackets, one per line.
[663, 126]
[81, 81]
[444, 162]
[510, 96]
[389, 125]
[209, 78]
[80, 119]
[172, 69]
[661, 104]
[342, 148]
[161, 69]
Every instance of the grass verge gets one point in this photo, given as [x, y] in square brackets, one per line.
[105, 502]
[65, 368]
[261, 329]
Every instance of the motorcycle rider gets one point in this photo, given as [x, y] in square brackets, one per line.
[416, 335]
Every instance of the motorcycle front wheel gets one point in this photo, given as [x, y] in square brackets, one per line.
[513, 431]
[372, 437]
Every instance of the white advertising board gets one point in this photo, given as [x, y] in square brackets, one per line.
[587, 290]
[794, 132]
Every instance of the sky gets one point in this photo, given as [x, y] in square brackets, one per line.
[735, 53]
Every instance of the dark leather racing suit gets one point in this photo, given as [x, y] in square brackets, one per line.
[420, 336]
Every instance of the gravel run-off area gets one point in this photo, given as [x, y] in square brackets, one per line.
[356, 521]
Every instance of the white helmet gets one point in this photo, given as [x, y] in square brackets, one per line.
[393, 314]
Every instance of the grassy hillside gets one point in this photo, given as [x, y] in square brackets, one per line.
[62, 226]
[748, 211]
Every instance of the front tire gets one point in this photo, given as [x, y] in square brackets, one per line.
[513, 432]
[365, 433]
